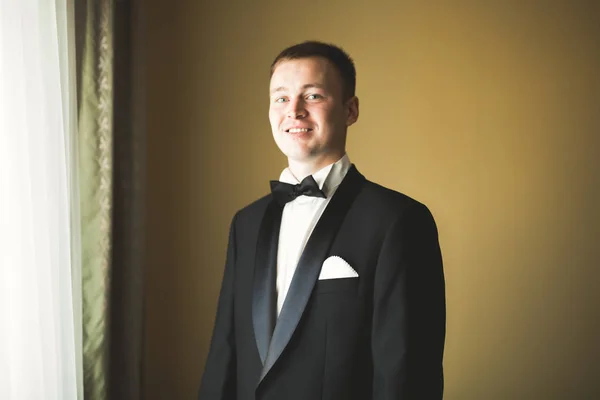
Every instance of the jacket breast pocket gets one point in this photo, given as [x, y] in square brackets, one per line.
[342, 285]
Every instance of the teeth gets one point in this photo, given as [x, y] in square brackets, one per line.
[298, 130]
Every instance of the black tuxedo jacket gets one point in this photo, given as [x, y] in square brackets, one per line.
[379, 336]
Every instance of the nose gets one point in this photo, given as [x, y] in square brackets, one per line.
[296, 109]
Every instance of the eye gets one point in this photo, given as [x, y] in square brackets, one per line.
[314, 96]
[280, 100]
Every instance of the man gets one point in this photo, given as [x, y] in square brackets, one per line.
[333, 285]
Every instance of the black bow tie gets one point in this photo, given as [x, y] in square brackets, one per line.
[285, 192]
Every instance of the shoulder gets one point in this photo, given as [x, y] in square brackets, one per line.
[256, 206]
[385, 200]
[395, 212]
[253, 212]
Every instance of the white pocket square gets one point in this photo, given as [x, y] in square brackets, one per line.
[336, 267]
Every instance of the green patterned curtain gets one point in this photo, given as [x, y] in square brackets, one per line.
[95, 87]
[110, 83]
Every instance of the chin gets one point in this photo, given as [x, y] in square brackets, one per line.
[294, 152]
[297, 156]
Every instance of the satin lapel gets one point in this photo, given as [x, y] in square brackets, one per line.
[265, 269]
[309, 265]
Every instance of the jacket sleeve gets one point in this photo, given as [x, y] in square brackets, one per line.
[219, 379]
[409, 311]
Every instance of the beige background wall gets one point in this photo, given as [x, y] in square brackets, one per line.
[488, 113]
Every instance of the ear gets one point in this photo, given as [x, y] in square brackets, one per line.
[352, 111]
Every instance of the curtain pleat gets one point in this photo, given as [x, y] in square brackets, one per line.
[95, 38]
[126, 330]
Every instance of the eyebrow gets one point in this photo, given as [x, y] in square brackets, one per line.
[307, 86]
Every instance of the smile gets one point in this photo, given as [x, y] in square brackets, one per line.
[298, 130]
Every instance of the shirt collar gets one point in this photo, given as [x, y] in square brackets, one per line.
[328, 178]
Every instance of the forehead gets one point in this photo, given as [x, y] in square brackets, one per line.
[303, 71]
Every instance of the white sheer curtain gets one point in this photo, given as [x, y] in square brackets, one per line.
[40, 305]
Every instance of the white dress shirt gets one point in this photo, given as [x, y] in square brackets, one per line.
[299, 219]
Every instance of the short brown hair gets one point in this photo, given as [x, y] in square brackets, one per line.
[334, 54]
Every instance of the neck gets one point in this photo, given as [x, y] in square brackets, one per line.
[301, 169]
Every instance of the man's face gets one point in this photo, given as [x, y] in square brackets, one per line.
[308, 115]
